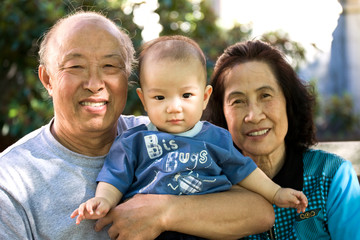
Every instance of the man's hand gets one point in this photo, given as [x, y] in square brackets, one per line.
[139, 218]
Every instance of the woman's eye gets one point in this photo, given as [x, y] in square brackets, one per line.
[265, 95]
[159, 97]
[187, 95]
[238, 101]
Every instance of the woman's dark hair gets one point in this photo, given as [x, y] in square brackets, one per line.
[298, 95]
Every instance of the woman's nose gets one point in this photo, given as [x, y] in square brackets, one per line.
[255, 114]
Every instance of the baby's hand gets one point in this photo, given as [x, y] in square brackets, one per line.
[94, 208]
[287, 197]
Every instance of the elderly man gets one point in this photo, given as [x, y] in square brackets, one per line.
[85, 62]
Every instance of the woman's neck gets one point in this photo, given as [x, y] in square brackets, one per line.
[271, 163]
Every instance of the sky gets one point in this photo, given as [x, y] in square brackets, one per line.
[308, 22]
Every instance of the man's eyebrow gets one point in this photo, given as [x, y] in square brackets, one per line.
[69, 57]
[114, 55]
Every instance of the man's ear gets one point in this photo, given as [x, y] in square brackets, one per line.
[45, 79]
[141, 96]
[207, 94]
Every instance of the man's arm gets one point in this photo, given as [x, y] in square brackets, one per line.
[226, 215]
[13, 221]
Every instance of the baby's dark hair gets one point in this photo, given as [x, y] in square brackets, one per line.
[177, 47]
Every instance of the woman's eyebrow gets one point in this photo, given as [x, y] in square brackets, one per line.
[235, 93]
[239, 93]
[266, 87]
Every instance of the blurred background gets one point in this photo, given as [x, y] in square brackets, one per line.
[319, 37]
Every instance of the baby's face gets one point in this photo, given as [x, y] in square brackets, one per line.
[174, 93]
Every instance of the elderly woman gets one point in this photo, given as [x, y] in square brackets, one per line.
[259, 98]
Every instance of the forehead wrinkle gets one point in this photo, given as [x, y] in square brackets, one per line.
[76, 55]
[235, 93]
[266, 87]
[68, 57]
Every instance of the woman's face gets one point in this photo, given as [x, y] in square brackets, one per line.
[255, 110]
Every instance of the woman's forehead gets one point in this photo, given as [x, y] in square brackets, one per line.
[250, 75]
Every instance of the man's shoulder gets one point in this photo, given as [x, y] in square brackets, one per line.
[126, 122]
[28, 141]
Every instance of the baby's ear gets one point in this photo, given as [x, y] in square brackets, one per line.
[207, 94]
[141, 96]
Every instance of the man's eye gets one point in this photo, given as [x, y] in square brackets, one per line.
[187, 95]
[159, 97]
[109, 65]
[76, 66]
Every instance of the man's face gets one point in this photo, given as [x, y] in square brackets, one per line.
[88, 83]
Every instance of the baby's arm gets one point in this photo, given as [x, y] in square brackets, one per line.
[258, 182]
[106, 197]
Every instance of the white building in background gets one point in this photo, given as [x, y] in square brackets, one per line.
[343, 75]
[328, 29]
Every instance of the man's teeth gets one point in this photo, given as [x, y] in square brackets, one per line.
[258, 133]
[93, 104]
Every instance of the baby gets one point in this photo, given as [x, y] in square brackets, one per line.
[177, 153]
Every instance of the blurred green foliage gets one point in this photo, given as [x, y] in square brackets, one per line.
[25, 104]
[337, 119]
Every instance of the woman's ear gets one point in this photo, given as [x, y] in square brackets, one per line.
[141, 96]
[207, 94]
[45, 79]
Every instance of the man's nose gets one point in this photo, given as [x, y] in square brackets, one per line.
[94, 83]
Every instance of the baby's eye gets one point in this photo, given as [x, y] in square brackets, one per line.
[187, 95]
[159, 97]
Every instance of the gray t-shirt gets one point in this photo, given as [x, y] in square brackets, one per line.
[42, 182]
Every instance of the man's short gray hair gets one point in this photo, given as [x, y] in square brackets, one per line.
[128, 51]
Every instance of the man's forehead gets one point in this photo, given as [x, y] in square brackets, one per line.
[75, 41]
[82, 31]
[71, 26]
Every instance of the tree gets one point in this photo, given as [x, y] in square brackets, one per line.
[26, 105]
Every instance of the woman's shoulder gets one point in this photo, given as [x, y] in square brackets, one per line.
[321, 162]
